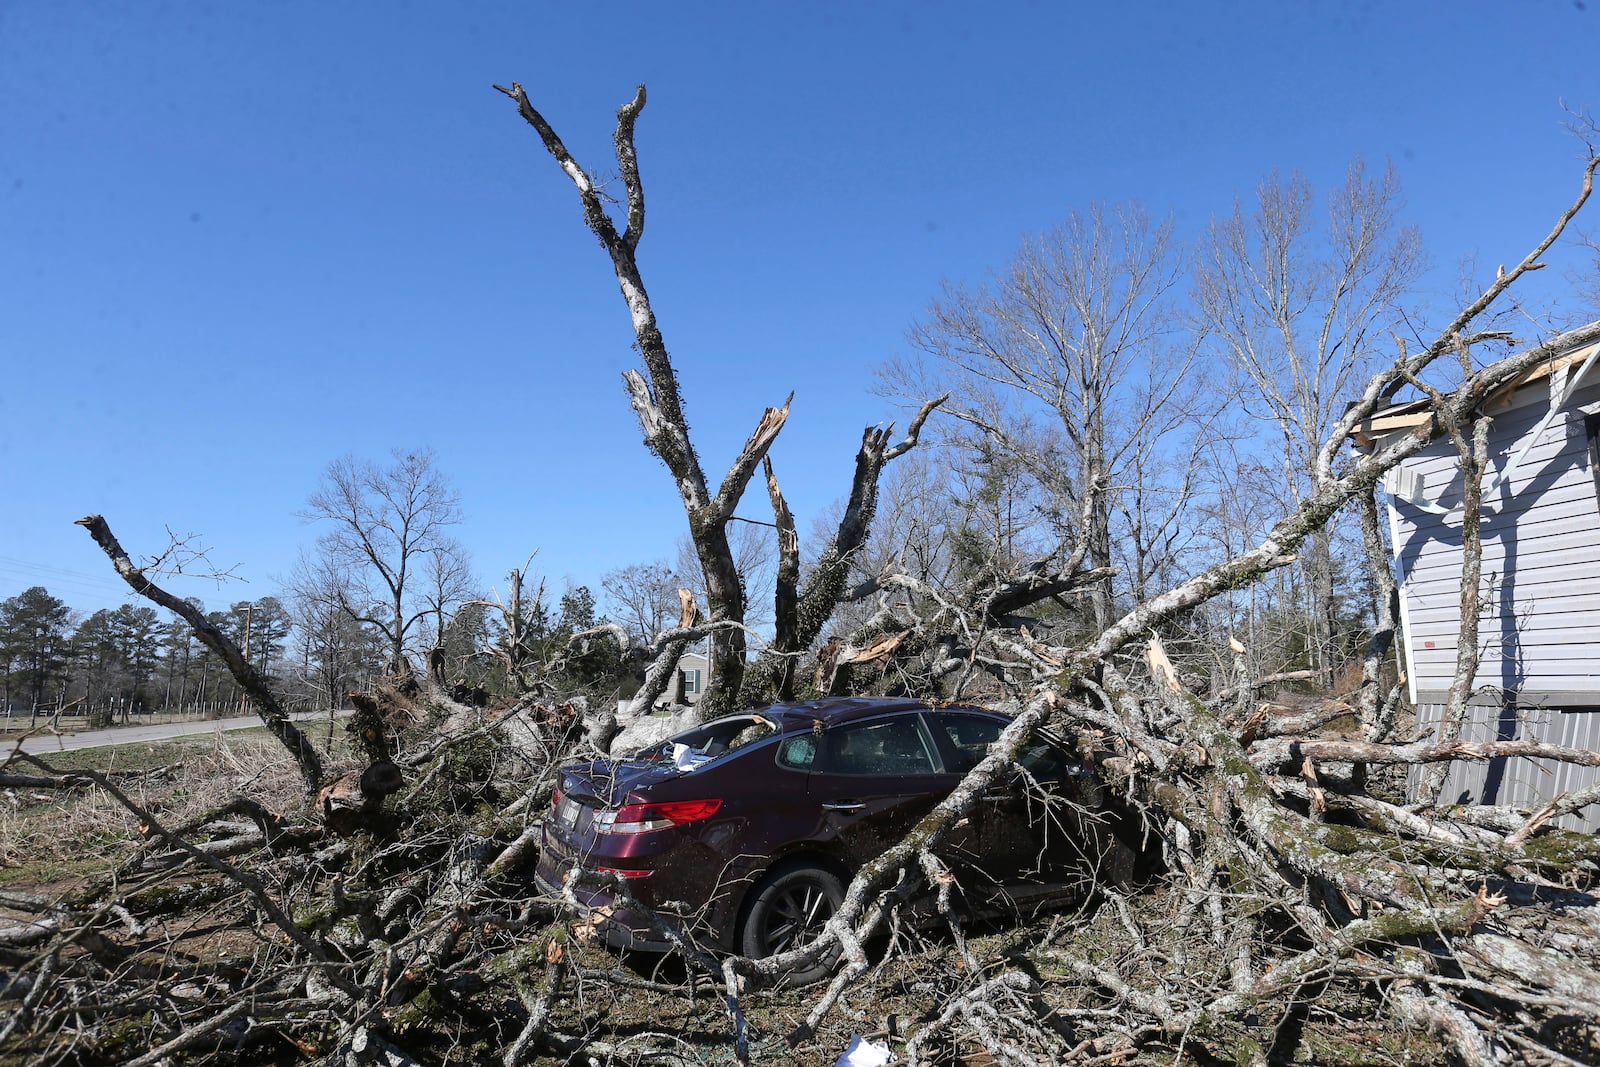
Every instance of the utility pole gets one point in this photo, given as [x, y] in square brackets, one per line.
[244, 701]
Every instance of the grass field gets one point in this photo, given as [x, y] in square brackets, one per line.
[50, 839]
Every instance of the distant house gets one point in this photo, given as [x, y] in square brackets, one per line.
[694, 671]
[687, 688]
[1539, 676]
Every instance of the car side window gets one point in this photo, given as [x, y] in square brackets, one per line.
[970, 737]
[879, 747]
[798, 753]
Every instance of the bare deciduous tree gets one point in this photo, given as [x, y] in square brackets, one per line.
[388, 531]
[1300, 310]
[1066, 363]
[446, 582]
[643, 597]
[335, 653]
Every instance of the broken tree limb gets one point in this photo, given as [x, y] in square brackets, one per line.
[751, 456]
[786, 583]
[273, 716]
[245, 880]
[1472, 457]
[1276, 751]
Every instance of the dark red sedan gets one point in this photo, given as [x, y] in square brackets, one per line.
[749, 827]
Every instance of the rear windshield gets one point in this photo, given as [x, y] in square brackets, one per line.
[697, 746]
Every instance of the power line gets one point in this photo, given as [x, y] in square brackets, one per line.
[45, 568]
[17, 575]
[25, 573]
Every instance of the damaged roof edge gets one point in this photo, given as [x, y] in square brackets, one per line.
[1416, 412]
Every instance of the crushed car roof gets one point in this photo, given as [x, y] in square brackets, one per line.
[831, 710]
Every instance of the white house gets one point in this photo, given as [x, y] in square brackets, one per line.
[694, 671]
[1539, 635]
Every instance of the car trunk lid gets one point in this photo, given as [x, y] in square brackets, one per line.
[590, 787]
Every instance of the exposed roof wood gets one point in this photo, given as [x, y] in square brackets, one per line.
[1404, 416]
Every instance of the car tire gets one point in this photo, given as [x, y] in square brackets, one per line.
[787, 912]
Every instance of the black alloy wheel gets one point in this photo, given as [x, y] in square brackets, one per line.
[789, 912]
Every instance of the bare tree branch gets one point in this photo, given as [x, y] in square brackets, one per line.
[273, 715]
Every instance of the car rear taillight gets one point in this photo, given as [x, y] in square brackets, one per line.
[642, 818]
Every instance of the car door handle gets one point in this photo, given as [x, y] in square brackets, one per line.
[848, 807]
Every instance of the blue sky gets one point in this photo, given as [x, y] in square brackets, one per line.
[238, 240]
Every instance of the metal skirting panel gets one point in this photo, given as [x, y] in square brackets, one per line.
[1521, 783]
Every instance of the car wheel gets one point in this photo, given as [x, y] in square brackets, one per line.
[789, 912]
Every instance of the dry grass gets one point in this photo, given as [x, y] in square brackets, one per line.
[55, 839]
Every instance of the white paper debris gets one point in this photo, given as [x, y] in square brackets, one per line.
[864, 1053]
[687, 759]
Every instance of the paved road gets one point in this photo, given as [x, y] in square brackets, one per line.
[133, 735]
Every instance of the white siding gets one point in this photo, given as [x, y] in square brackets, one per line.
[1540, 633]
